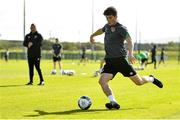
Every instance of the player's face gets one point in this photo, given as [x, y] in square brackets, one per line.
[33, 28]
[111, 19]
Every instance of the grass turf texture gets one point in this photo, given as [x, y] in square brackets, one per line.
[58, 98]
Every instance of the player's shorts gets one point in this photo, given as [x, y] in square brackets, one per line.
[153, 58]
[115, 65]
[83, 56]
[162, 58]
[56, 58]
[144, 60]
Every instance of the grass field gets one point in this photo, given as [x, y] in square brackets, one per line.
[58, 98]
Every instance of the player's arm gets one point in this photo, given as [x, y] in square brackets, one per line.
[98, 32]
[25, 42]
[61, 51]
[131, 57]
[39, 41]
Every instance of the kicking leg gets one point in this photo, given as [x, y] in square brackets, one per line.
[145, 79]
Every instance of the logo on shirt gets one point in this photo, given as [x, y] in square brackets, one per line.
[35, 36]
[113, 29]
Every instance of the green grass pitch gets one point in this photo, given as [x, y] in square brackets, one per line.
[58, 98]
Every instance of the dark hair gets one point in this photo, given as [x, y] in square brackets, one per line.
[33, 25]
[110, 11]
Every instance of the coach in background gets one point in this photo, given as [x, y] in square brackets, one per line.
[33, 42]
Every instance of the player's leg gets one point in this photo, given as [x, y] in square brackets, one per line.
[145, 79]
[128, 71]
[59, 62]
[60, 66]
[154, 63]
[163, 60]
[31, 71]
[103, 81]
[37, 65]
[160, 61]
[6, 59]
[54, 65]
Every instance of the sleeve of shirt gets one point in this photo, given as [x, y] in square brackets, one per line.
[40, 40]
[25, 42]
[124, 32]
[61, 47]
[103, 29]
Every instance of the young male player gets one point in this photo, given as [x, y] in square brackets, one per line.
[153, 56]
[115, 35]
[83, 55]
[57, 51]
[161, 56]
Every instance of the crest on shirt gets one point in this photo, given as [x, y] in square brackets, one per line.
[113, 29]
[35, 36]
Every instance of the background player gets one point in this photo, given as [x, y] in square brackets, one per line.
[57, 51]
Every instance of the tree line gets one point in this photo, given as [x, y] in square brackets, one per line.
[47, 45]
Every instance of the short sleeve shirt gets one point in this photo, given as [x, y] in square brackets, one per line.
[57, 48]
[114, 40]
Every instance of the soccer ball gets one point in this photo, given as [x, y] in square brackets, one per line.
[53, 72]
[68, 72]
[84, 102]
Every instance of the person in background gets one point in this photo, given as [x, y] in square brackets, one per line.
[57, 52]
[153, 56]
[6, 55]
[33, 42]
[161, 56]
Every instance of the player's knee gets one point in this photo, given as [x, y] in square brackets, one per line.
[102, 82]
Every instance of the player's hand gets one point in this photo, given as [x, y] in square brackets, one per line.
[92, 40]
[30, 44]
[131, 59]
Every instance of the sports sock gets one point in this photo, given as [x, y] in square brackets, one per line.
[111, 98]
[149, 79]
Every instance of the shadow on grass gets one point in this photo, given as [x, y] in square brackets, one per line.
[70, 112]
[11, 85]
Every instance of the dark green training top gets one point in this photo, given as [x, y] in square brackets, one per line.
[35, 50]
[114, 40]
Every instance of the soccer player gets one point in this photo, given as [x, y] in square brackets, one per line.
[33, 42]
[162, 56]
[143, 58]
[83, 56]
[6, 55]
[115, 36]
[57, 51]
[153, 56]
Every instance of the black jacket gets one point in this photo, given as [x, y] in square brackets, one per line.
[35, 50]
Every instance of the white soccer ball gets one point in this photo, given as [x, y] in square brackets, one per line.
[53, 72]
[71, 72]
[84, 102]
